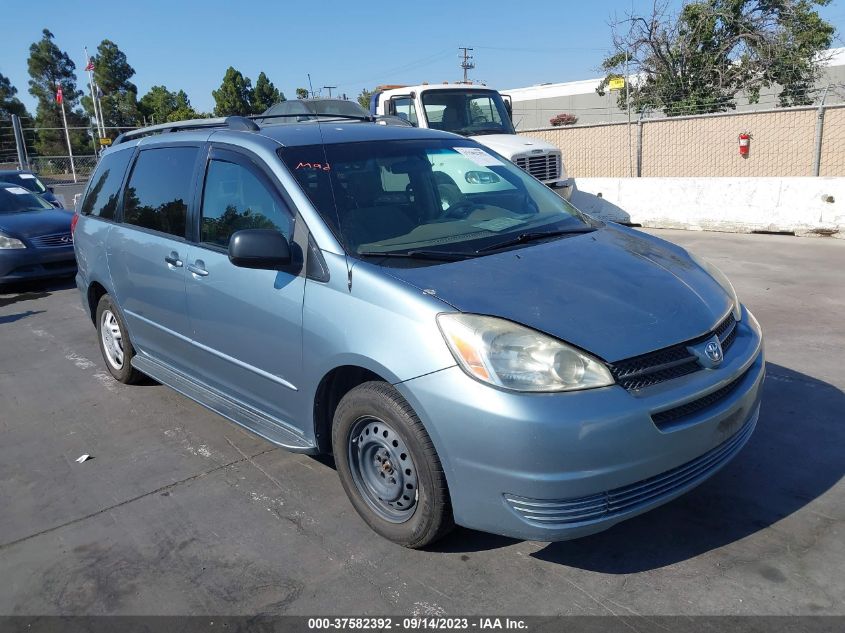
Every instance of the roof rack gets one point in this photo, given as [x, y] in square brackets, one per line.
[243, 123]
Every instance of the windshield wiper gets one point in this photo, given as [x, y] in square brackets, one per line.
[532, 236]
[446, 256]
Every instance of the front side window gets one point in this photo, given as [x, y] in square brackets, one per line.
[159, 189]
[436, 194]
[104, 192]
[234, 198]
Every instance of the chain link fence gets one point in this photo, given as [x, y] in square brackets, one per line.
[21, 151]
[800, 141]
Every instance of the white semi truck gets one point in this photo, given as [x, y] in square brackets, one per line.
[480, 113]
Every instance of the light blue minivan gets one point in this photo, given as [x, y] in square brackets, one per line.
[469, 347]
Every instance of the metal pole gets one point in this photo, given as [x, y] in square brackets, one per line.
[67, 138]
[93, 94]
[19, 142]
[817, 150]
[640, 144]
[628, 102]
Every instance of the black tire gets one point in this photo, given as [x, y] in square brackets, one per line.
[122, 371]
[378, 405]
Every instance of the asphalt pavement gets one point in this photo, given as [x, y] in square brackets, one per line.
[181, 512]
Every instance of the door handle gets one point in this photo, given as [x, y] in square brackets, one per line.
[173, 259]
[198, 268]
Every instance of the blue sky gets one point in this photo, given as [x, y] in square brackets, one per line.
[353, 45]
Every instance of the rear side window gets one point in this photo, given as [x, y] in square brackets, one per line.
[104, 191]
[159, 189]
[235, 199]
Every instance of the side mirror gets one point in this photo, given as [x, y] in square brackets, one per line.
[51, 190]
[265, 249]
[508, 105]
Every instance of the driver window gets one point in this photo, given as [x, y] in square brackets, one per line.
[235, 199]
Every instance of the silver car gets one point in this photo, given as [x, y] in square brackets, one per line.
[469, 347]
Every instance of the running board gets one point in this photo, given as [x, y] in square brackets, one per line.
[243, 415]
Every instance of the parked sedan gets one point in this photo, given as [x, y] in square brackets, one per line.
[35, 237]
[31, 183]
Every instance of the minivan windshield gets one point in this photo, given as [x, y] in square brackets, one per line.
[467, 112]
[450, 197]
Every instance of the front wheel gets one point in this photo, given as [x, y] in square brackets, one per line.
[388, 466]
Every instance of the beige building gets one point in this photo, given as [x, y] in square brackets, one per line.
[533, 106]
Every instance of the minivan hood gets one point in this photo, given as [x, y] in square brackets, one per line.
[510, 145]
[35, 223]
[613, 292]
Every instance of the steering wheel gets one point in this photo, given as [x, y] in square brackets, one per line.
[460, 210]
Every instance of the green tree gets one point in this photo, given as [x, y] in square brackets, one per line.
[9, 103]
[160, 105]
[302, 93]
[49, 67]
[265, 95]
[119, 99]
[235, 95]
[364, 99]
[701, 58]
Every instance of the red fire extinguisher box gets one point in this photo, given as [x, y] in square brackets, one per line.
[744, 144]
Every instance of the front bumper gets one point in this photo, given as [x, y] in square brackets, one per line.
[36, 263]
[553, 467]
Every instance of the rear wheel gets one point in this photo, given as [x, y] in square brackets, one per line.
[115, 345]
[388, 466]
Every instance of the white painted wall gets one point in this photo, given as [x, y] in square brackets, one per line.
[805, 206]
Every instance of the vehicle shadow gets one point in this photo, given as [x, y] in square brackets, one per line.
[599, 207]
[793, 457]
[11, 318]
[29, 290]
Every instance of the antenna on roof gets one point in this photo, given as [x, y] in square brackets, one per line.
[310, 87]
[467, 64]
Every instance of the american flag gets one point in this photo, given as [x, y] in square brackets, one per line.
[59, 96]
[90, 65]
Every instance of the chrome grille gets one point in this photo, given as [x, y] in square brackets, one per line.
[541, 166]
[604, 505]
[59, 239]
[670, 362]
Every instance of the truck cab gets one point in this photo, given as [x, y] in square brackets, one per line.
[480, 113]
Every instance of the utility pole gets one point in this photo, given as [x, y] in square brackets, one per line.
[330, 88]
[467, 64]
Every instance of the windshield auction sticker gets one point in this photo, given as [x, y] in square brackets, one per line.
[478, 156]
[17, 190]
[27, 176]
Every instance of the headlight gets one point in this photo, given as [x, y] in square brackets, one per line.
[7, 242]
[512, 356]
[722, 280]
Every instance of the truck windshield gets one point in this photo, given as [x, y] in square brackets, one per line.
[467, 112]
[441, 196]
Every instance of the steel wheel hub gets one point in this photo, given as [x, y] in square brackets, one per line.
[383, 470]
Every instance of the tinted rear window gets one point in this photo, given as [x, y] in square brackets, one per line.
[159, 189]
[104, 191]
